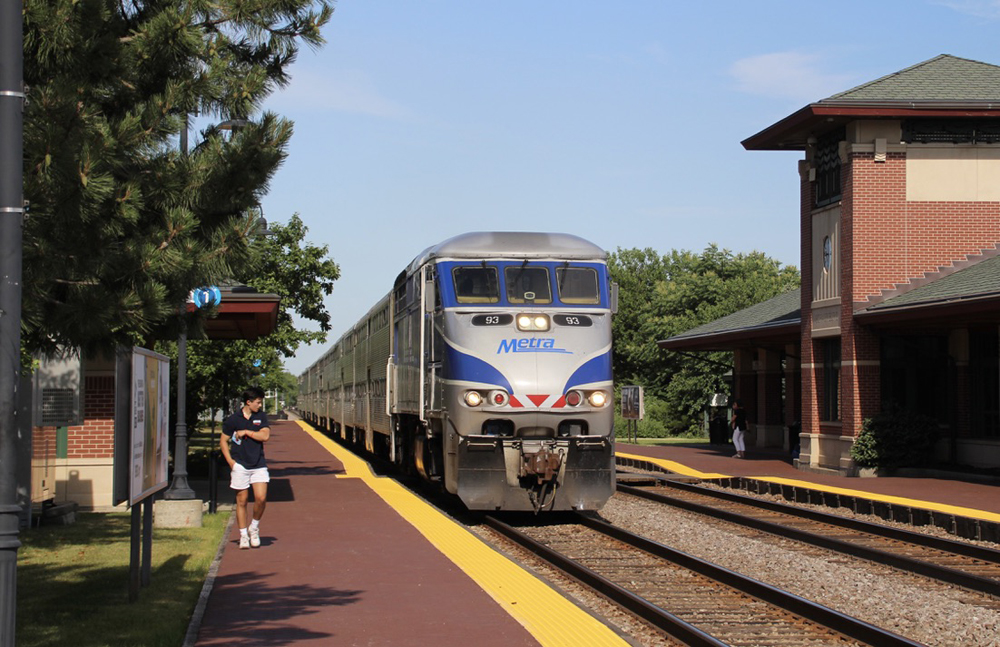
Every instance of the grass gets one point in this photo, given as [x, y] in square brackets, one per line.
[72, 583]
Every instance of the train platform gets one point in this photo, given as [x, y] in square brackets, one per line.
[964, 507]
[350, 558]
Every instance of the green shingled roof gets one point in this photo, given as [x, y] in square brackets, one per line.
[979, 280]
[780, 310]
[942, 78]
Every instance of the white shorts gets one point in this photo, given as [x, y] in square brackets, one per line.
[241, 478]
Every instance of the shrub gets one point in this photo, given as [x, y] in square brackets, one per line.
[655, 423]
[895, 438]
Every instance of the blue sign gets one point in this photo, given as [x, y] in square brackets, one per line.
[204, 297]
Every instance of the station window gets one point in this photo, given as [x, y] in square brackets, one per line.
[476, 284]
[528, 284]
[577, 285]
[831, 380]
[827, 164]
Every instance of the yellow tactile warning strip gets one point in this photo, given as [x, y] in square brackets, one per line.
[548, 616]
[684, 470]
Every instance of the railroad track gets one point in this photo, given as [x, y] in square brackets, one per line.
[688, 598]
[971, 567]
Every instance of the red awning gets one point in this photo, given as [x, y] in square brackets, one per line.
[242, 314]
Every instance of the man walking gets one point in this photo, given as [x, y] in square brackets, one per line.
[248, 430]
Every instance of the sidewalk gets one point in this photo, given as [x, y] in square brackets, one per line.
[932, 492]
[338, 565]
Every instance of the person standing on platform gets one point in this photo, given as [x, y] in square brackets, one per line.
[739, 423]
[248, 430]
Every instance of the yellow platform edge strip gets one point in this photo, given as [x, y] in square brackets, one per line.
[546, 614]
[684, 470]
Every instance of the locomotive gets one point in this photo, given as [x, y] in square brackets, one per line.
[487, 369]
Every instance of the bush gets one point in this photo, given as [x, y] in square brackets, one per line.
[895, 438]
[655, 424]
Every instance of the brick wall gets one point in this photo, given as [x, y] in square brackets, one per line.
[895, 240]
[95, 437]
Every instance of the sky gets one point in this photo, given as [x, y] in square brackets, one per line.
[620, 122]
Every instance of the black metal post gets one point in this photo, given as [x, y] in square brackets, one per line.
[179, 488]
[145, 575]
[11, 223]
[213, 473]
[134, 556]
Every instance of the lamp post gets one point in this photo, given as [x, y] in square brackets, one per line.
[11, 223]
[179, 488]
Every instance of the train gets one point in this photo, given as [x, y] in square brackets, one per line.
[486, 369]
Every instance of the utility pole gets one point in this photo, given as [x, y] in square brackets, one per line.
[11, 223]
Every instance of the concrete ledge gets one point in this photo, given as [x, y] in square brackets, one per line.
[177, 514]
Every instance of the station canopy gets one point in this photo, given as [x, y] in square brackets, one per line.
[243, 313]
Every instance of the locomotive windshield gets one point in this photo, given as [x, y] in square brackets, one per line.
[476, 284]
[578, 285]
[527, 284]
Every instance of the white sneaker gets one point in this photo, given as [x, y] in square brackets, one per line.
[244, 541]
[254, 537]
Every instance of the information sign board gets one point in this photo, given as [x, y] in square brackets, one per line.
[150, 395]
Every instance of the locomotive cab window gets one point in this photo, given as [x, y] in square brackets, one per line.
[528, 284]
[578, 285]
[476, 284]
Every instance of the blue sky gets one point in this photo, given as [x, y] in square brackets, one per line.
[619, 122]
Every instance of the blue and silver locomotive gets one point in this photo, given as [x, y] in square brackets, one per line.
[486, 368]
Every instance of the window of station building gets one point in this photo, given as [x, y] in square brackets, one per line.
[984, 383]
[831, 380]
[477, 284]
[915, 373]
[578, 285]
[826, 161]
[528, 284]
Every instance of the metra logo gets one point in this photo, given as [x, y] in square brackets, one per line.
[533, 345]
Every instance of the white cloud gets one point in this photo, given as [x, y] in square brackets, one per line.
[787, 75]
[350, 91]
[989, 9]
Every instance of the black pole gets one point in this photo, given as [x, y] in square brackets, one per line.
[134, 556]
[11, 223]
[213, 473]
[179, 488]
[147, 541]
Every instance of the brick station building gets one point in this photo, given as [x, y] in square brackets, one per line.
[73, 409]
[900, 296]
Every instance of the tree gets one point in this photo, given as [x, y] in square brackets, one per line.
[302, 275]
[664, 296]
[122, 225]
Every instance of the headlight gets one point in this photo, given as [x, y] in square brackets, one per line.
[533, 322]
[598, 399]
[574, 398]
[498, 398]
[473, 398]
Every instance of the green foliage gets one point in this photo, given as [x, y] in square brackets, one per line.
[653, 425]
[302, 275]
[662, 296]
[894, 438]
[122, 223]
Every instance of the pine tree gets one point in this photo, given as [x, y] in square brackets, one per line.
[122, 224]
